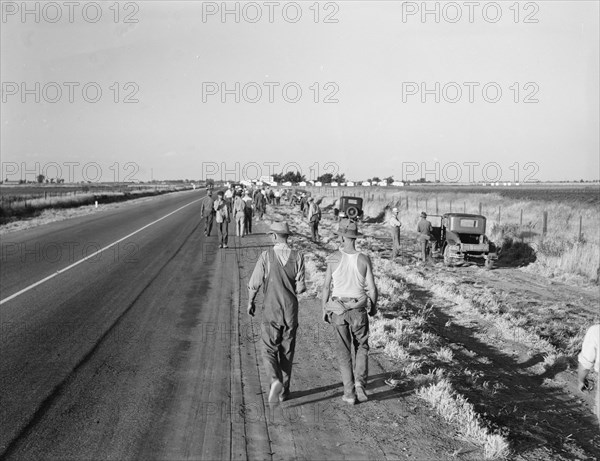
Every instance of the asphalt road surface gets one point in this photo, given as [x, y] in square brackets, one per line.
[124, 336]
[109, 359]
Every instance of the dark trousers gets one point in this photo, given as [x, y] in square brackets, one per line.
[223, 232]
[314, 230]
[248, 220]
[396, 241]
[208, 224]
[352, 333]
[279, 343]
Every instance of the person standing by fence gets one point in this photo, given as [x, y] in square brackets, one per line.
[395, 224]
[425, 231]
[314, 216]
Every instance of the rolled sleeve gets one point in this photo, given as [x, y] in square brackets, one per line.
[300, 274]
[258, 276]
[590, 355]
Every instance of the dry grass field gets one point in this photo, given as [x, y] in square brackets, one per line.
[27, 201]
[568, 245]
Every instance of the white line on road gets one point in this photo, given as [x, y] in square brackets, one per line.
[24, 290]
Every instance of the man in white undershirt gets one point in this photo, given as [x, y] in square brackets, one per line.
[353, 286]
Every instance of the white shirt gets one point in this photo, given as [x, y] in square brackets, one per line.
[590, 349]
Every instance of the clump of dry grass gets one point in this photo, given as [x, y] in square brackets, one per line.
[455, 409]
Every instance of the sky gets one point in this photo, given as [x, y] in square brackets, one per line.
[498, 91]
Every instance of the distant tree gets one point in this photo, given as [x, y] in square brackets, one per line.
[293, 177]
[40, 178]
[389, 180]
[339, 178]
[325, 178]
[375, 179]
[278, 177]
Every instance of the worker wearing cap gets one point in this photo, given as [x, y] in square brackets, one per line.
[280, 271]
[425, 231]
[395, 224]
[353, 286]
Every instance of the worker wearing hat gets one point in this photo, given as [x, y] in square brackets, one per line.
[208, 212]
[346, 308]
[280, 271]
[395, 224]
[314, 217]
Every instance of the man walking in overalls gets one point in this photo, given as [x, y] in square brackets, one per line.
[353, 286]
[280, 271]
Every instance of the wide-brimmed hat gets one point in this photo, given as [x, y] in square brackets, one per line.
[423, 214]
[281, 228]
[348, 230]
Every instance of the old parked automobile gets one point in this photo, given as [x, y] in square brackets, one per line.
[461, 236]
[351, 208]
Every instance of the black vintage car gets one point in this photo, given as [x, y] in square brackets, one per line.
[351, 208]
[461, 236]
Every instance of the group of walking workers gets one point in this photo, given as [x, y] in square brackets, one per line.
[349, 296]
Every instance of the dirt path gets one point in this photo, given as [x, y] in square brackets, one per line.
[315, 423]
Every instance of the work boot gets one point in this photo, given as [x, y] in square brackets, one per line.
[275, 392]
[349, 399]
[361, 394]
[285, 394]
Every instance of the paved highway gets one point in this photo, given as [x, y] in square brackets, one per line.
[107, 358]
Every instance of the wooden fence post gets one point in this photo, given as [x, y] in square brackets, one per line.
[426, 210]
[521, 219]
[407, 202]
[499, 212]
[464, 207]
[545, 223]
[480, 208]
[580, 237]
[450, 206]
[436, 205]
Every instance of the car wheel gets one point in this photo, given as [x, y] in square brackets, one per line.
[447, 259]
